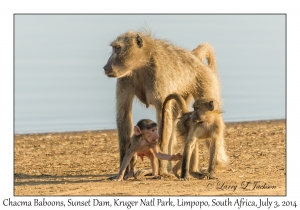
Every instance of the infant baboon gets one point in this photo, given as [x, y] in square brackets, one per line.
[204, 122]
[144, 143]
[151, 69]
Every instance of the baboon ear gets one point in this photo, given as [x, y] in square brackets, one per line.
[137, 130]
[139, 41]
[211, 105]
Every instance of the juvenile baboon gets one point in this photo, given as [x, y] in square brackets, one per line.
[151, 69]
[144, 142]
[204, 123]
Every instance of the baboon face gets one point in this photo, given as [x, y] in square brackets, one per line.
[151, 135]
[148, 129]
[201, 107]
[127, 55]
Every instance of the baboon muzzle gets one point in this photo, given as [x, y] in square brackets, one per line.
[194, 116]
[108, 71]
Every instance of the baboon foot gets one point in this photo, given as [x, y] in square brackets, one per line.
[167, 175]
[156, 177]
[175, 172]
[143, 172]
[117, 179]
[112, 177]
[186, 178]
[211, 175]
[204, 174]
[198, 175]
[129, 175]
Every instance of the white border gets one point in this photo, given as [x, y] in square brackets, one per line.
[8, 8]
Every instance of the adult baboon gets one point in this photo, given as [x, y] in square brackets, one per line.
[151, 69]
[204, 122]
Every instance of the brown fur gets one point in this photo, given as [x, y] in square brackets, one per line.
[151, 69]
[144, 141]
[183, 109]
[204, 122]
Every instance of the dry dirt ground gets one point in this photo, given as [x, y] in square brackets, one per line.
[80, 163]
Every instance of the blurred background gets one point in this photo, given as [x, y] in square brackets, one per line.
[60, 85]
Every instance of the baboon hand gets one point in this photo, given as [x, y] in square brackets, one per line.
[176, 157]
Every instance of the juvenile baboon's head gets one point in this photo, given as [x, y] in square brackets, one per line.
[202, 108]
[128, 54]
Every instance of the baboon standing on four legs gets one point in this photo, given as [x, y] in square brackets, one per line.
[151, 69]
[205, 122]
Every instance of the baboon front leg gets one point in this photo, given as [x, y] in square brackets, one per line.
[124, 132]
[212, 159]
[195, 158]
[187, 153]
[124, 117]
[154, 166]
[194, 164]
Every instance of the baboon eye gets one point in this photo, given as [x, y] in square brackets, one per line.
[211, 105]
[116, 48]
[139, 41]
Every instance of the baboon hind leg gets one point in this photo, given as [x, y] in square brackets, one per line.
[176, 168]
[172, 143]
[166, 137]
[132, 171]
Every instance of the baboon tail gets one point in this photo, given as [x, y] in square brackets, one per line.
[182, 106]
[222, 160]
[180, 101]
[205, 51]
